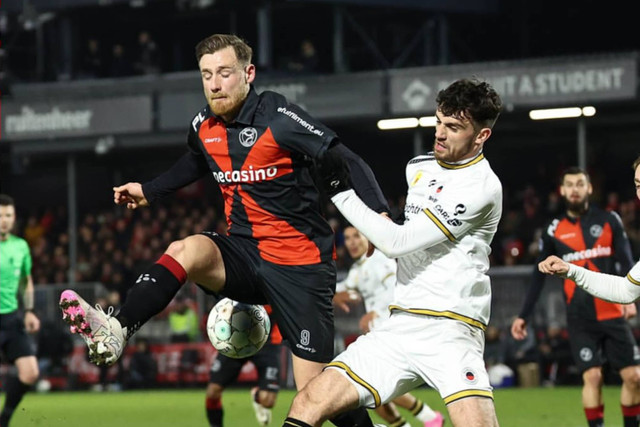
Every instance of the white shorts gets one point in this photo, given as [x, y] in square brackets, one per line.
[409, 350]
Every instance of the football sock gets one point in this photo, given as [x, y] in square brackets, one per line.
[214, 411]
[595, 416]
[631, 415]
[15, 390]
[151, 293]
[292, 422]
[355, 418]
[421, 411]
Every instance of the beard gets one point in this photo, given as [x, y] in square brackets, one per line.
[578, 207]
[228, 106]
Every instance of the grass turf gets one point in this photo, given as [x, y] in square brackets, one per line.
[553, 407]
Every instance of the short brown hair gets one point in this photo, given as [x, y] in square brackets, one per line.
[218, 42]
[636, 163]
[6, 200]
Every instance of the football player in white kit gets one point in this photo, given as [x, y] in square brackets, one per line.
[372, 279]
[622, 290]
[435, 333]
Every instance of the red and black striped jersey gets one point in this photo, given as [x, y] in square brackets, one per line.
[262, 163]
[596, 241]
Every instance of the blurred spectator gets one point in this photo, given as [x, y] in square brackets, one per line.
[500, 375]
[120, 66]
[306, 60]
[148, 55]
[92, 64]
[142, 366]
[183, 321]
[110, 377]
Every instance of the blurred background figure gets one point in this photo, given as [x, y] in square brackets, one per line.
[148, 55]
[143, 368]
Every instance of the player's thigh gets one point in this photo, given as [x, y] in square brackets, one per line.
[301, 298]
[585, 339]
[620, 346]
[201, 259]
[377, 366]
[27, 367]
[473, 412]
[225, 370]
[240, 260]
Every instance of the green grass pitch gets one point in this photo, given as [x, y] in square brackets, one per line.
[550, 407]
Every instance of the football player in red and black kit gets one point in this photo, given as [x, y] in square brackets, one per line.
[595, 239]
[279, 249]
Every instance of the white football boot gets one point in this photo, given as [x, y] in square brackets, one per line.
[104, 335]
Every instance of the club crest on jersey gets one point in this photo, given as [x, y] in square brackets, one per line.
[586, 354]
[469, 376]
[596, 230]
[248, 136]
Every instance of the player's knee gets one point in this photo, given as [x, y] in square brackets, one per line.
[631, 376]
[267, 399]
[29, 376]
[214, 392]
[592, 377]
[176, 249]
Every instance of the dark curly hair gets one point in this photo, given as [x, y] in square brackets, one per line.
[471, 98]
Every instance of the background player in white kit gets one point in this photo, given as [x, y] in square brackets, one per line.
[442, 301]
[372, 280]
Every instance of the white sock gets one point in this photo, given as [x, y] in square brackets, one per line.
[426, 413]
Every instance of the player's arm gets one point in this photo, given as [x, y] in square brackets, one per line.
[31, 321]
[296, 130]
[346, 294]
[189, 168]
[361, 176]
[536, 284]
[622, 290]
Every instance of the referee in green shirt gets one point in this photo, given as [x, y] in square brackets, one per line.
[15, 345]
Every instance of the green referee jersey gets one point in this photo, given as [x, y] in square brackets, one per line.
[15, 265]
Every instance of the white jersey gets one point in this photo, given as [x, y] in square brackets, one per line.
[452, 212]
[374, 278]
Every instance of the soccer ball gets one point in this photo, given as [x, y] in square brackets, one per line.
[238, 330]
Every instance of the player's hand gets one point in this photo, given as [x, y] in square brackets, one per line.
[554, 266]
[519, 328]
[31, 322]
[130, 194]
[334, 173]
[366, 321]
[371, 248]
[630, 310]
[344, 300]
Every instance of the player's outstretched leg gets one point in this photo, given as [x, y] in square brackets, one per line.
[103, 334]
[263, 414]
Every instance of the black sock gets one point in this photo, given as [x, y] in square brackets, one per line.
[214, 412]
[151, 294]
[355, 418]
[631, 415]
[15, 389]
[292, 422]
[595, 416]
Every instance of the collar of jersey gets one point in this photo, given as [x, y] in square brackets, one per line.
[462, 164]
[245, 116]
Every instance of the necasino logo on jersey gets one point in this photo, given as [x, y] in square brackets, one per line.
[246, 175]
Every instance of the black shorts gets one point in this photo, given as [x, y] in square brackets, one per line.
[300, 295]
[225, 370]
[14, 341]
[595, 342]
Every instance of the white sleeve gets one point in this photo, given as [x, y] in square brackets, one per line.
[391, 239]
[423, 231]
[622, 290]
